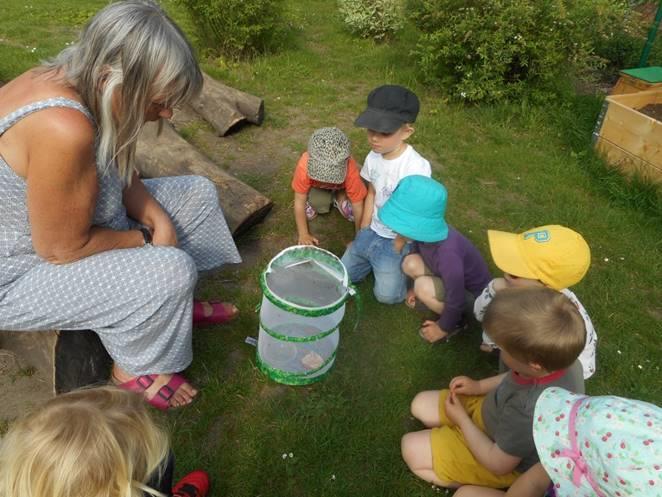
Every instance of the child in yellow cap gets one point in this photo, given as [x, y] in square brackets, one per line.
[553, 256]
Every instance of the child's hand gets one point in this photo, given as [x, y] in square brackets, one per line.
[454, 408]
[431, 331]
[465, 386]
[399, 243]
[499, 284]
[308, 239]
[410, 299]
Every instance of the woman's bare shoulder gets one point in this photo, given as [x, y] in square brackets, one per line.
[56, 129]
[37, 85]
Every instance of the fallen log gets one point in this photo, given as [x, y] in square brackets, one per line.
[224, 107]
[69, 359]
[168, 154]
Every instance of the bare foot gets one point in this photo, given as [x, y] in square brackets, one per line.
[488, 347]
[213, 312]
[229, 309]
[183, 395]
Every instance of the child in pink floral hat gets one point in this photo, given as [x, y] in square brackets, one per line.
[590, 447]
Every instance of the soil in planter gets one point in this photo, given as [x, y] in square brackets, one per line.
[652, 110]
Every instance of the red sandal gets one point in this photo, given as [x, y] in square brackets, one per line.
[161, 399]
[194, 484]
[219, 312]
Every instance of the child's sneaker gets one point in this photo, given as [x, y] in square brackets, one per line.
[195, 484]
[311, 213]
[345, 209]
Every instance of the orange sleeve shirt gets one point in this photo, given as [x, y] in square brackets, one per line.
[353, 184]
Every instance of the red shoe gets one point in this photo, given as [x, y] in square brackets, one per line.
[221, 312]
[195, 484]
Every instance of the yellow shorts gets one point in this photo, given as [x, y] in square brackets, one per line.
[452, 460]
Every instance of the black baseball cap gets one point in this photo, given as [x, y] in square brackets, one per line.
[389, 107]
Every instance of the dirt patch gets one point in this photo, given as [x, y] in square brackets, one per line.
[270, 391]
[22, 389]
[237, 152]
[656, 313]
[652, 110]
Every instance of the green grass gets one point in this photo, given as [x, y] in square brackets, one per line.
[507, 167]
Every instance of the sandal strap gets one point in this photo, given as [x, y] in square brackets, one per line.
[168, 390]
[145, 381]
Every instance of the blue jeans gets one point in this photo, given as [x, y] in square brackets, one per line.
[371, 252]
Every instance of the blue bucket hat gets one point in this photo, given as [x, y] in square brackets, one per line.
[416, 209]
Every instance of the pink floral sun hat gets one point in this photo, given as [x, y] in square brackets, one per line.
[599, 446]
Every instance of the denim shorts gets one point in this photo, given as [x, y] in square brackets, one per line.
[371, 252]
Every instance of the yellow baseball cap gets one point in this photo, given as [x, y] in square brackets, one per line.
[553, 254]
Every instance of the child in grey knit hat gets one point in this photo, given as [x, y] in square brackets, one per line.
[326, 175]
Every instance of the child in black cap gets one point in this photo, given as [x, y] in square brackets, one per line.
[389, 117]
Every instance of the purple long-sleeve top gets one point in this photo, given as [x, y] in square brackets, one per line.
[461, 267]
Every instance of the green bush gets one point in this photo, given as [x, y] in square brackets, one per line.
[500, 49]
[376, 19]
[623, 50]
[238, 28]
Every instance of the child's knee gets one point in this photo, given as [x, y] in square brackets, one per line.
[416, 407]
[411, 265]
[408, 448]
[390, 287]
[388, 299]
[425, 407]
[424, 288]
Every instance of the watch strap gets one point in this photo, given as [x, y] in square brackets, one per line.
[147, 236]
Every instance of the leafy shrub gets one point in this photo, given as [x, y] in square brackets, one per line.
[499, 49]
[376, 19]
[237, 28]
[624, 49]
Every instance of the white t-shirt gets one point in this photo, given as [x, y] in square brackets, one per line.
[587, 357]
[385, 176]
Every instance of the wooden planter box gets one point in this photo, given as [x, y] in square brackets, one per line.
[628, 138]
[639, 79]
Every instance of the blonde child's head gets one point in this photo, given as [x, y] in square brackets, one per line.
[98, 442]
[536, 326]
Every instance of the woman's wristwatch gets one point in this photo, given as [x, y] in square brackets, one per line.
[147, 236]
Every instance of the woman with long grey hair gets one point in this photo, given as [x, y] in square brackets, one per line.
[84, 242]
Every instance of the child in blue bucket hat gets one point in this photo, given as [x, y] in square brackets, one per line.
[447, 270]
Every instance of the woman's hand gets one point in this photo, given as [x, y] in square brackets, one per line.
[163, 232]
[142, 207]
